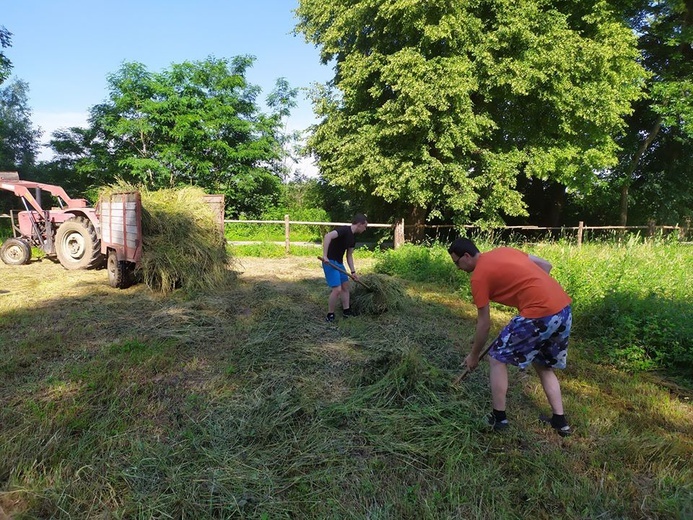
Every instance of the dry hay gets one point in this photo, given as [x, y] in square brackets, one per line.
[182, 246]
[382, 294]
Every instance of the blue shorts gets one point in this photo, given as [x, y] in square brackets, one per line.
[334, 278]
[534, 340]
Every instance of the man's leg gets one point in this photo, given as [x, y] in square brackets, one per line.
[551, 386]
[335, 296]
[499, 384]
[344, 295]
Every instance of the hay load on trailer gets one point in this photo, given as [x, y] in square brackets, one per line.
[182, 240]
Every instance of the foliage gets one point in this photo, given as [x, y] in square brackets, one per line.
[18, 139]
[442, 105]
[5, 63]
[653, 179]
[194, 123]
[421, 264]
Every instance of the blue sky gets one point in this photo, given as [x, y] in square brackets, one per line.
[64, 49]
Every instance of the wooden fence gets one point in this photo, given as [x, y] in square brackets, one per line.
[399, 226]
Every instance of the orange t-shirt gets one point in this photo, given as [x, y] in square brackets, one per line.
[508, 276]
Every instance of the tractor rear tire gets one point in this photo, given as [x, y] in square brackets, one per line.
[77, 245]
[120, 275]
[15, 251]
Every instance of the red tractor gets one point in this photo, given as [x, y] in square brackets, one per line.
[80, 237]
[71, 231]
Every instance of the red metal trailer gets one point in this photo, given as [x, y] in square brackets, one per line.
[120, 215]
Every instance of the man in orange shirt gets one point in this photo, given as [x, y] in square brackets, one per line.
[538, 335]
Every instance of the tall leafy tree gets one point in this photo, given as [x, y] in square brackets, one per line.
[658, 146]
[439, 105]
[194, 123]
[5, 63]
[19, 141]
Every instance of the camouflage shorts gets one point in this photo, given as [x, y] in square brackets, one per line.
[534, 340]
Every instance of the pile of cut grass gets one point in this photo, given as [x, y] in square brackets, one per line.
[182, 246]
[378, 294]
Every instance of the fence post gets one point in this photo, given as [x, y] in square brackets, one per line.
[650, 228]
[287, 244]
[399, 233]
[683, 230]
[581, 226]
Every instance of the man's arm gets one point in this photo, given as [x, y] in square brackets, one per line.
[350, 260]
[326, 243]
[483, 326]
[544, 264]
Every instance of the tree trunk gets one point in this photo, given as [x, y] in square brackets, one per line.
[631, 168]
[418, 220]
[623, 214]
[557, 194]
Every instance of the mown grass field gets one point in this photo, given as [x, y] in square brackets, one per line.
[243, 403]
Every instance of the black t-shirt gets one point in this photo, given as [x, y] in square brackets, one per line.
[345, 239]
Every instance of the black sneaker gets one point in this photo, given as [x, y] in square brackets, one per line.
[346, 313]
[495, 423]
[563, 431]
[330, 317]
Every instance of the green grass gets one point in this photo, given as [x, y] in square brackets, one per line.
[243, 403]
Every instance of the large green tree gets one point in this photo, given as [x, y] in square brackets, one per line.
[19, 141]
[194, 123]
[654, 174]
[439, 105]
[5, 63]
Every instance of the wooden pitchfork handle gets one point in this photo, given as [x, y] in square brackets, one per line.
[466, 370]
[336, 267]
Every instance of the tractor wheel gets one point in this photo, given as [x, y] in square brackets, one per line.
[15, 252]
[120, 274]
[77, 245]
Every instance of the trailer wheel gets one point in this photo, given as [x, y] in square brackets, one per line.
[120, 273]
[15, 252]
[77, 245]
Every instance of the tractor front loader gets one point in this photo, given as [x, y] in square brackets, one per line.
[70, 232]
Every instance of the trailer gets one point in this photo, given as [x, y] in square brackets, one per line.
[120, 218]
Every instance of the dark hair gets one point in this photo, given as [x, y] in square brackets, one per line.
[359, 218]
[463, 245]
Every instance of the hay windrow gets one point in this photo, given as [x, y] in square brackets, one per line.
[383, 293]
[181, 243]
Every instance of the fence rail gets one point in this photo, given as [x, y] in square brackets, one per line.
[399, 226]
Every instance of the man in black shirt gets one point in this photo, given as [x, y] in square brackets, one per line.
[334, 245]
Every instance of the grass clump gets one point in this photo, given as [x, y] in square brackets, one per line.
[182, 246]
[382, 293]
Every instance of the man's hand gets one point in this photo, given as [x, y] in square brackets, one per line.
[472, 361]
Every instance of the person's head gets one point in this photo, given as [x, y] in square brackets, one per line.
[464, 254]
[359, 223]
